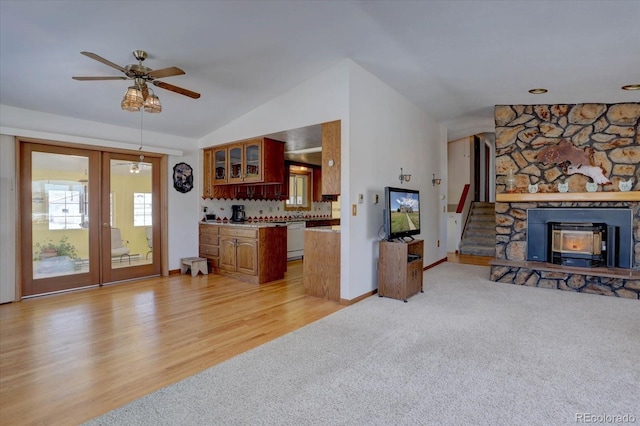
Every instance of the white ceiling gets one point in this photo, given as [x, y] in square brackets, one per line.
[454, 59]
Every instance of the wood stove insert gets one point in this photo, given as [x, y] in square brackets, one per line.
[578, 244]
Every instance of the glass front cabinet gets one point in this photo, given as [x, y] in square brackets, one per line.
[220, 174]
[252, 161]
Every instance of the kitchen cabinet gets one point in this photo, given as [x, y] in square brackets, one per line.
[253, 254]
[207, 173]
[400, 269]
[250, 169]
[220, 166]
[209, 246]
[259, 160]
[239, 255]
[312, 223]
[317, 184]
[331, 146]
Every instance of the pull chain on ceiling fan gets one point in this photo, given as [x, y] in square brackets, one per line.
[140, 95]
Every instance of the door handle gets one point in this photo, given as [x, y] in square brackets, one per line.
[105, 225]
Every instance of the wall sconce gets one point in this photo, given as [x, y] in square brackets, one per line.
[435, 181]
[403, 177]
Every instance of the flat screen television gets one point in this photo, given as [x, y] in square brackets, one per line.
[402, 213]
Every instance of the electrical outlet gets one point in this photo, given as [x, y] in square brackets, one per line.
[354, 209]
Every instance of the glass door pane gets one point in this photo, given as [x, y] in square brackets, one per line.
[59, 215]
[252, 159]
[59, 190]
[130, 211]
[235, 163]
[220, 166]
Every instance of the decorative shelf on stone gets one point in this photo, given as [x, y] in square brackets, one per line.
[568, 196]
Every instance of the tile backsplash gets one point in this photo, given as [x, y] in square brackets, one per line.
[262, 209]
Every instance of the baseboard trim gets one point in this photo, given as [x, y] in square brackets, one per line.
[347, 302]
[174, 271]
[435, 264]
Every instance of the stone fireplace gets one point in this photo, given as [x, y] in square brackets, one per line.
[525, 222]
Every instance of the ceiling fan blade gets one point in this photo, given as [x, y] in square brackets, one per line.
[166, 72]
[98, 78]
[104, 61]
[176, 89]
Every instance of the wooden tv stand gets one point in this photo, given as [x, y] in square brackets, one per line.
[400, 269]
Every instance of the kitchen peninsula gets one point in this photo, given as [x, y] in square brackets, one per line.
[254, 252]
[321, 268]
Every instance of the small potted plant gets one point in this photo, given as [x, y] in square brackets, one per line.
[49, 249]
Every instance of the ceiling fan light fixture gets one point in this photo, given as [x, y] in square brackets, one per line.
[132, 100]
[152, 103]
[631, 87]
[135, 168]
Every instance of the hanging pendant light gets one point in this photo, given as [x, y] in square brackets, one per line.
[132, 100]
[152, 103]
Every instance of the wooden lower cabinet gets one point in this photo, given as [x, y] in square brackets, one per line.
[256, 255]
[400, 269]
[209, 247]
[239, 255]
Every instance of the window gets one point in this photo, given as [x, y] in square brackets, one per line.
[299, 189]
[142, 209]
[64, 203]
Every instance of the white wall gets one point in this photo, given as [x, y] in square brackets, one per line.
[458, 159]
[183, 210]
[8, 197]
[388, 132]
[318, 100]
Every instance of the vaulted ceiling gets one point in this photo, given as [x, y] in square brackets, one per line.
[454, 59]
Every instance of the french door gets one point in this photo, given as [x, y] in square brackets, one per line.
[88, 217]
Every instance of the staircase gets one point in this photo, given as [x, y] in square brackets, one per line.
[479, 236]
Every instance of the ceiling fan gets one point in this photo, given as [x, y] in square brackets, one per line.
[135, 167]
[138, 95]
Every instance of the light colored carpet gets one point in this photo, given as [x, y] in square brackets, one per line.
[467, 351]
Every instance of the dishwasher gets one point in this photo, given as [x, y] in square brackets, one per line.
[295, 240]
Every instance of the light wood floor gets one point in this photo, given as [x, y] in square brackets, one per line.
[468, 259]
[67, 358]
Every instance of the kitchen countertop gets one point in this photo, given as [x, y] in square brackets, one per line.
[261, 224]
[248, 224]
[335, 228]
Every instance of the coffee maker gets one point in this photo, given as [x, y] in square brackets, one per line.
[237, 214]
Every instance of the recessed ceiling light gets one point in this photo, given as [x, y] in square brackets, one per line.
[538, 91]
[631, 87]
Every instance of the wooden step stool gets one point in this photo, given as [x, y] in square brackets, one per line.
[196, 264]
